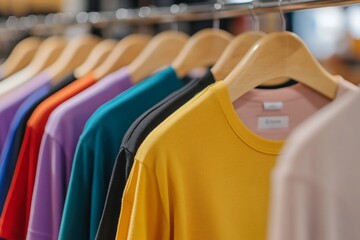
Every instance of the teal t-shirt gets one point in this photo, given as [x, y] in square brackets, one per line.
[97, 149]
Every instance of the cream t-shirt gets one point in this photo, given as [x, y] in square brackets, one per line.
[315, 184]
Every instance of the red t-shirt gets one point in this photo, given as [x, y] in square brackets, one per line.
[15, 216]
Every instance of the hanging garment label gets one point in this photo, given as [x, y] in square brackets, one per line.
[273, 105]
[277, 122]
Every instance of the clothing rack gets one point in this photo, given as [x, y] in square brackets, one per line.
[175, 13]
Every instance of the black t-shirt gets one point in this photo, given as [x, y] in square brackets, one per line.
[20, 131]
[132, 140]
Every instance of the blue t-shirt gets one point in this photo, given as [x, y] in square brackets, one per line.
[97, 149]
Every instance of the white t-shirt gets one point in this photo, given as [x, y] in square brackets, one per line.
[315, 185]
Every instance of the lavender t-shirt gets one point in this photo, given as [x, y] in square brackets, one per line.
[10, 103]
[57, 150]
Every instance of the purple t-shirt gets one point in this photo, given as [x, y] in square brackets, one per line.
[57, 150]
[10, 103]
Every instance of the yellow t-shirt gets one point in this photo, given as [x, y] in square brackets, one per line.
[202, 174]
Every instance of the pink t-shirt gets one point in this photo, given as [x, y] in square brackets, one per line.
[275, 113]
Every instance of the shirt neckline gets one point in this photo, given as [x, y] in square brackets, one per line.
[264, 145]
[267, 146]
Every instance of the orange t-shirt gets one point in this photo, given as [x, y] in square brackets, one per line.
[15, 216]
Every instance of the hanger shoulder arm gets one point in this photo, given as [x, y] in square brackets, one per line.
[280, 55]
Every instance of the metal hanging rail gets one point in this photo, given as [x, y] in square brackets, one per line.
[218, 11]
[175, 13]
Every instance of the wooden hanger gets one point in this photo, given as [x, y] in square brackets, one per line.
[123, 54]
[203, 49]
[234, 52]
[48, 52]
[281, 54]
[46, 55]
[20, 56]
[73, 55]
[97, 56]
[161, 51]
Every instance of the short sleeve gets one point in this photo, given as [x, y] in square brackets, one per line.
[75, 222]
[49, 191]
[14, 215]
[111, 211]
[142, 213]
[289, 212]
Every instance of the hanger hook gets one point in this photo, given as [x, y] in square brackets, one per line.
[255, 18]
[216, 21]
[175, 10]
[282, 16]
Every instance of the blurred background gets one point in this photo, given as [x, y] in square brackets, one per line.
[332, 34]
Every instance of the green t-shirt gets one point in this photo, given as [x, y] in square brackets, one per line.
[97, 149]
